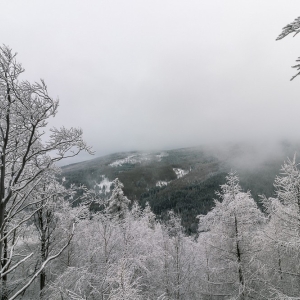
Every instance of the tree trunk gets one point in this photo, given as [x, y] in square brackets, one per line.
[239, 259]
[43, 252]
[43, 273]
[2, 204]
[42, 282]
[4, 294]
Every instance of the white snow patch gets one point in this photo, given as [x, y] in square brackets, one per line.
[132, 159]
[138, 158]
[161, 155]
[104, 185]
[161, 183]
[179, 172]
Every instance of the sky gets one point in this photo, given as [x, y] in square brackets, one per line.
[161, 74]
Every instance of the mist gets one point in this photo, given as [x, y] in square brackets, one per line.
[162, 75]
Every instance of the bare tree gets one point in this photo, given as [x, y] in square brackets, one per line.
[25, 159]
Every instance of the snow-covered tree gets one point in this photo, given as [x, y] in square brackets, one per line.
[149, 216]
[123, 282]
[231, 227]
[293, 27]
[282, 234]
[178, 258]
[118, 203]
[25, 159]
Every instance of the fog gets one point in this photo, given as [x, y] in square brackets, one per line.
[142, 75]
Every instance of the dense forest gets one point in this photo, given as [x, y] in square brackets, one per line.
[124, 252]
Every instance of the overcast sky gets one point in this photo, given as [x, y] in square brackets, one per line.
[147, 74]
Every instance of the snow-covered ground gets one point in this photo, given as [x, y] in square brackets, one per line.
[132, 159]
[161, 155]
[104, 185]
[138, 158]
[161, 183]
[179, 172]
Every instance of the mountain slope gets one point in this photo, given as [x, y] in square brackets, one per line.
[184, 180]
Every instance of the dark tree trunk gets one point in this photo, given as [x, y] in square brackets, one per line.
[239, 258]
[4, 294]
[43, 250]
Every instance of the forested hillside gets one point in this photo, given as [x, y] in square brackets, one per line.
[151, 177]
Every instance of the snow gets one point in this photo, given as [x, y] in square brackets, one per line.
[161, 155]
[132, 159]
[161, 183]
[138, 158]
[179, 172]
[104, 185]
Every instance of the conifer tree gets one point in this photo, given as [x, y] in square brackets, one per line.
[282, 234]
[293, 27]
[231, 227]
[118, 203]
